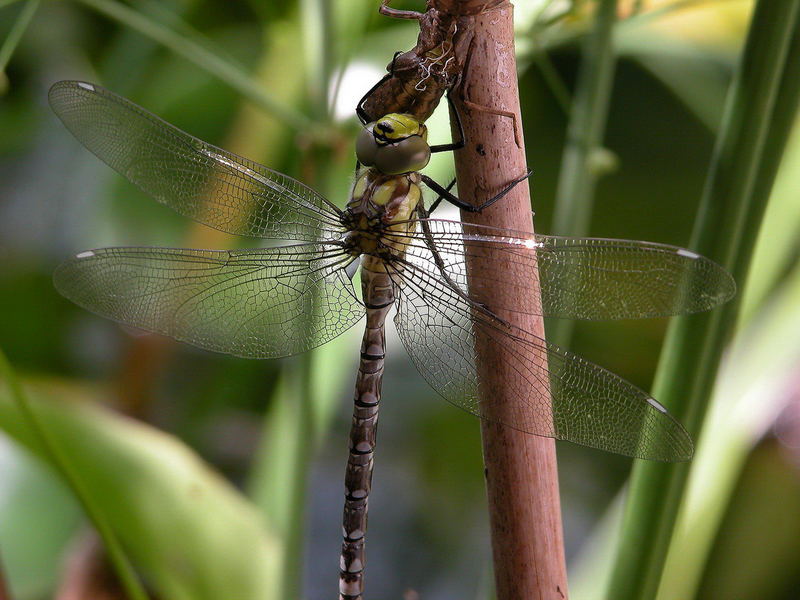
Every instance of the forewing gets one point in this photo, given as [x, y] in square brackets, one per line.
[198, 180]
[581, 278]
[586, 404]
[596, 278]
[250, 303]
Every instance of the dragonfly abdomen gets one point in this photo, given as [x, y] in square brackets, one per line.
[378, 298]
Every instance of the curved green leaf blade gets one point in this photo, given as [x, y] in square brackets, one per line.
[190, 534]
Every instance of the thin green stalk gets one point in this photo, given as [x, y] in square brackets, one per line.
[349, 35]
[194, 52]
[299, 421]
[552, 78]
[120, 561]
[17, 30]
[300, 408]
[742, 170]
[300, 415]
[587, 124]
[318, 51]
[278, 480]
[578, 176]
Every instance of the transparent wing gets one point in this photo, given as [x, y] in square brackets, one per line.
[250, 303]
[586, 404]
[198, 180]
[581, 278]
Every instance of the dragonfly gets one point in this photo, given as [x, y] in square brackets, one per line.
[285, 299]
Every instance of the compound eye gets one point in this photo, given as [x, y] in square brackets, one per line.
[411, 154]
[366, 146]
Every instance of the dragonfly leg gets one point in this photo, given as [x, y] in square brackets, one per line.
[445, 194]
[462, 85]
[437, 259]
[455, 145]
[362, 114]
[501, 113]
[395, 13]
[426, 213]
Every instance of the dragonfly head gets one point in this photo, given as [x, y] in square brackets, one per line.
[394, 144]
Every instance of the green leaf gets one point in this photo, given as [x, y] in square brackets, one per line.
[12, 39]
[32, 500]
[588, 115]
[189, 533]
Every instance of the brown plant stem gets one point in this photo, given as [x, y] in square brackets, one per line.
[521, 473]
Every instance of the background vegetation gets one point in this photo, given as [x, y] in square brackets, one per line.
[221, 477]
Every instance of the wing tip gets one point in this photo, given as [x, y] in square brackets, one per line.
[60, 277]
[63, 273]
[73, 83]
[673, 442]
[729, 287]
[683, 449]
[64, 87]
[726, 284]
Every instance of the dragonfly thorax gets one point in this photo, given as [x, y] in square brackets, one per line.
[381, 211]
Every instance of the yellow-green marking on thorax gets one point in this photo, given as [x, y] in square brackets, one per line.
[380, 205]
